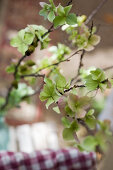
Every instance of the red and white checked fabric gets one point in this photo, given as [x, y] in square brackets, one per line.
[63, 159]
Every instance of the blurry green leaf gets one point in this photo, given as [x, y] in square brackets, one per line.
[74, 125]
[11, 68]
[18, 94]
[49, 91]
[30, 63]
[90, 121]
[78, 104]
[90, 83]
[2, 101]
[68, 134]
[60, 10]
[66, 122]
[67, 9]
[49, 102]
[51, 16]
[71, 19]
[59, 20]
[44, 13]
[89, 143]
[90, 112]
[56, 109]
[69, 111]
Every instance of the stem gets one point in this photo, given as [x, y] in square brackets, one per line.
[75, 86]
[107, 68]
[79, 67]
[7, 97]
[18, 64]
[94, 12]
[91, 132]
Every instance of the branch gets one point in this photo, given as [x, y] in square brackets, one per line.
[33, 75]
[36, 91]
[7, 97]
[54, 64]
[18, 64]
[80, 65]
[69, 2]
[91, 132]
[75, 86]
[94, 12]
[107, 68]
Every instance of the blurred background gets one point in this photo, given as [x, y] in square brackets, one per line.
[33, 127]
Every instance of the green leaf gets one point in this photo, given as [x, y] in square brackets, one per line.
[89, 143]
[56, 109]
[98, 74]
[18, 94]
[23, 48]
[60, 10]
[2, 101]
[69, 111]
[68, 134]
[52, 4]
[30, 63]
[43, 13]
[67, 9]
[49, 102]
[111, 81]
[102, 86]
[90, 112]
[28, 38]
[66, 122]
[71, 19]
[51, 16]
[90, 121]
[90, 83]
[11, 68]
[60, 82]
[59, 20]
[22, 40]
[78, 104]
[74, 125]
[49, 91]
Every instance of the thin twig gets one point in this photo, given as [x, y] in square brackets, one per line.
[7, 97]
[91, 132]
[94, 12]
[107, 68]
[36, 91]
[33, 75]
[75, 86]
[79, 67]
[69, 2]
[54, 64]
[18, 64]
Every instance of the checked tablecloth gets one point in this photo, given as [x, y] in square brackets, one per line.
[63, 159]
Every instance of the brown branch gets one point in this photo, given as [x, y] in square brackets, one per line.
[91, 132]
[94, 12]
[79, 67]
[54, 64]
[33, 75]
[18, 64]
[75, 86]
[107, 68]
[7, 97]
[36, 91]
[69, 2]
